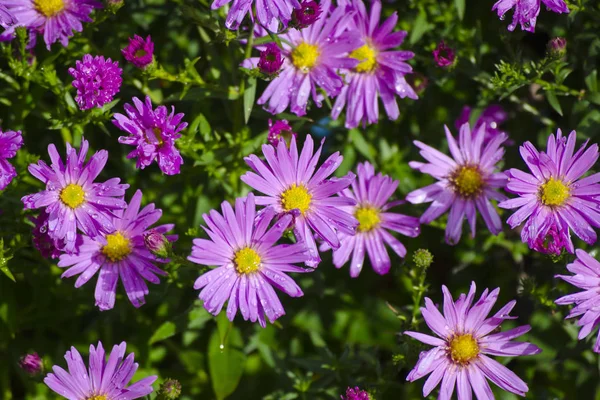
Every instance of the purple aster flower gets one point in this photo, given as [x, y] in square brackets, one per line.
[312, 58]
[380, 70]
[527, 11]
[249, 263]
[72, 199]
[372, 193]
[103, 380]
[32, 364]
[355, 394]
[553, 198]
[306, 14]
[466, 183]
[444, 55]
[291, 185]
[139, 52]
[270, 59]
[41, 238]
[586, 276]
[10, 143]
[492, 117]
[269, 13]
[153, 133]
[6, 17]
[281, 130]
[97, 81]
[121, 253]
[55, 20]
[460, 356]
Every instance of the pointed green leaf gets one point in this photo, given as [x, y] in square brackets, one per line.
[249, 95]
[553, 100]
[225, 364]
[460, 8]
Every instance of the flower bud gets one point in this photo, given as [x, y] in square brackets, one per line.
[306, 14]
[157, 243]
[557, 47]
[169, 390]
[444, 56]
[280, 130]
[32, 364]
[356, 394]
[422, 258]
[270, 59]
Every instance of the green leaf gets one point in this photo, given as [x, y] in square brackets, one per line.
[249, 95]
[420, 28]
[4, 262]
[591, 81]
[225, 364]
[460, 8]
[553, 100]
[165, 331]
[361, 144]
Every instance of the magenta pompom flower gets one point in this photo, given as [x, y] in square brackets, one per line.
[460, 356]
[72, 199]
[10, 143]
[355, 394]
[444, 55]
[380, 70]
[153, 133]
[312, 58]
[492, 117]
[249, 262]
[586, 276]
[103, 380]
[291, 185]
[466, 183]
[306, 14]
[371, 193]
[55, 20]
[119, 254]
[97, 81]
[139, 52]
[269, 13]
[526, 12]
[554, 198]
[270, 61]
[280, 130]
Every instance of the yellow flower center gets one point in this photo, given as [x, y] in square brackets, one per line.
[246, 261]
[554, 192]
[467, 181]
[140, 53]
[97, 397]
[296, 197]
[368, 218]
[463, 348]
[72, 196]
[305, 56]
[367, 57]
[117, 247]
[49, 7]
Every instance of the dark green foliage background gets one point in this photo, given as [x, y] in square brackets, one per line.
[343, 331]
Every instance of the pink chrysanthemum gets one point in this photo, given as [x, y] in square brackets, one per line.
[10, 143]
[466, 183]
[460, 356]
[97, 81]
[153, 133]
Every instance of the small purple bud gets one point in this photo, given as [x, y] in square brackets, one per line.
[444, 56]
[32, 364]
[557, 47]
[170, 389]
[157, 243]
[270, 59]
[355, 394]
[280, 130]
[139, 51]
[306, 14]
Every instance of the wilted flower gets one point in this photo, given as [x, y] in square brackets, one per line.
[32, 364]
[270, 59]
[460, 354]
[249, 262]
[55, 20]
[375, 223]
[380, 72]
[554, 197]
[72, 199]
[169, 390]
[97, 81]
[119, 254]
[293, 185]
[153, 133]
[355, 394]
[466, 183]
[526, 12]
[306, 14]
[10, 143]
[280, 130]
[139, 52]
[444, 55]
[104, 380]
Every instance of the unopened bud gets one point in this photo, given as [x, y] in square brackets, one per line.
[557, 47]
[444, 55]
[280, 130]
[422, 258]
[270, 59]
[306, 14]
[356, 393]
[32, 364]
[169, 390]
[157, 243]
